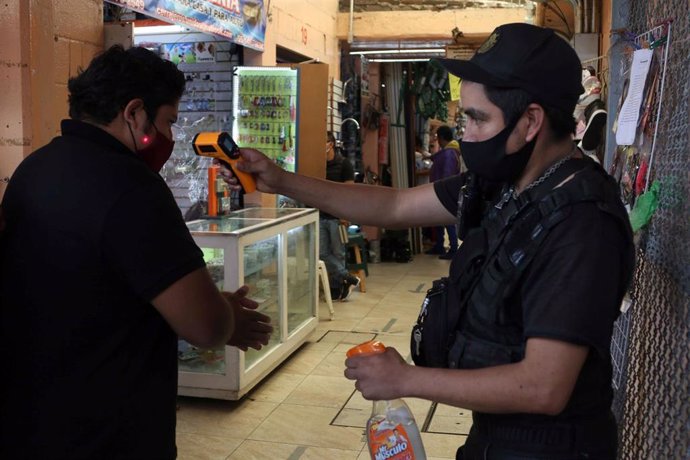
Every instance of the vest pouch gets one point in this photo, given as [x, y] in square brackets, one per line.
[434, 331]
[473, 353]
[431, 334]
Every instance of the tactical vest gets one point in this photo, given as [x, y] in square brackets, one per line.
[484, 278]
[464, 322]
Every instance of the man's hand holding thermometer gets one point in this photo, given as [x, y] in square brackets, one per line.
[221, 147]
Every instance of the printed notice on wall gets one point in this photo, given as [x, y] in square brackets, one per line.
[630, 112]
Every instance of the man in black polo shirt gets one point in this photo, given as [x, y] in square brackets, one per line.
[535, 287]
[99, 276]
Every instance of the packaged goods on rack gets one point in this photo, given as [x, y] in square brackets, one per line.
[265, 109]
[206, 105]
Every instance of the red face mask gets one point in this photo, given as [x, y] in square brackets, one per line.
[156, 151]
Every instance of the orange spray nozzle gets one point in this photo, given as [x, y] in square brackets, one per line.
[371, 347]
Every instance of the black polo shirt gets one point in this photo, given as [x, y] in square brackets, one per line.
[89, 365]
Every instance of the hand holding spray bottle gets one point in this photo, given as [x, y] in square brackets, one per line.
[392, 433]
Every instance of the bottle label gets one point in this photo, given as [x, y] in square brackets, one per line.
[387, 443]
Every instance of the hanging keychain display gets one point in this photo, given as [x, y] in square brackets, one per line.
[633, 162]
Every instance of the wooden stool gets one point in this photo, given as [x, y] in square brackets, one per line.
[323, 276]
[359, 267]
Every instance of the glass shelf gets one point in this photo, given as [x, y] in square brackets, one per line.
[224, 225]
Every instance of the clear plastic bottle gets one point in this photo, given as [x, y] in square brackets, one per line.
[392, 433]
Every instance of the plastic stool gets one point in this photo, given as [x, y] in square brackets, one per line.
[323, 276]
[359, 267]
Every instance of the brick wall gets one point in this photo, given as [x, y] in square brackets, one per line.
[46, 42]
[77, 38]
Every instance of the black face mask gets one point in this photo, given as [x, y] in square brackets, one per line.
[489, 159]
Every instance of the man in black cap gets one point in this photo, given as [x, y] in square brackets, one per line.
[536, 286]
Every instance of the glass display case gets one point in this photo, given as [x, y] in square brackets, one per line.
[274, 252]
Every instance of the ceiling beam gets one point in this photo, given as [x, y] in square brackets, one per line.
[431, 25]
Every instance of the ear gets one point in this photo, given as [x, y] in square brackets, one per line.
[536, 118]
[134, 113]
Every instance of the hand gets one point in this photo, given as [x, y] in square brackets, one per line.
[266, 173]
[252, 329]
[227, 175]
[379, 376]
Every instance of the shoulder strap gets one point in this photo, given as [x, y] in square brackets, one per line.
[550, 210]
[525, 223]
[525, 199]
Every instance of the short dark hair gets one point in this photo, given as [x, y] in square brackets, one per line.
[514, 101]
[116, 76]
[444, 132]
[330, 137]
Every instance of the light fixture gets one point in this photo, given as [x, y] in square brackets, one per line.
[402, 59]
[573, 3]
[155, 30]
[401, 51]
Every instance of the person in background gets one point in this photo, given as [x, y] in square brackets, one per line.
[99, 276]
[423, 165]
[535, 300]
[421, 154]
[332, 249]
[446, 163]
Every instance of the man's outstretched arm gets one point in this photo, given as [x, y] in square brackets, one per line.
[360, 203]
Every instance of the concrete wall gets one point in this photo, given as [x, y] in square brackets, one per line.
[429, 24]
[15, 123]
[45, 43]
[307, 27]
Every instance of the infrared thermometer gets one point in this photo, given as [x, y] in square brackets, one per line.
[221, 146]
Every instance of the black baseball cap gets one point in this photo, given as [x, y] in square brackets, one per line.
[528, 57]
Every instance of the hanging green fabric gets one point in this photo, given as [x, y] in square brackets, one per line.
[431, 90]
[644, 208]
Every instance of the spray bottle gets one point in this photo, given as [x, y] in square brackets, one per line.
[392, 432]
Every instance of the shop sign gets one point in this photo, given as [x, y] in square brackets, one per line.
[240, 21]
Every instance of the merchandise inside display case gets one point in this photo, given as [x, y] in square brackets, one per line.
[189, 357]
[260, 275]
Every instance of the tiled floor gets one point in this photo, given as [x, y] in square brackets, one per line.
[306, 409]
